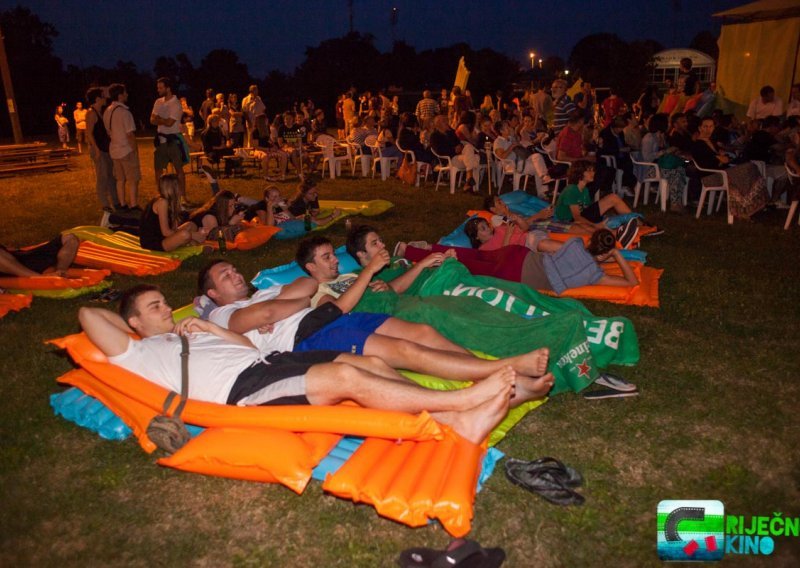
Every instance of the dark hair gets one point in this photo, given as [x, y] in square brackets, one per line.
[309, 183]
[620, 122]
[468, 118]
[166, 81]
[471, 229]
[115, 90]
[92, 94]
[216, 206]
[577, 169]
[357, 239]
[601, 242]
[307, 249]
[127, 302]
[488, 202]
[659, 122]
[766, 90]
[676, 117]
[686, 62]
[204, 283]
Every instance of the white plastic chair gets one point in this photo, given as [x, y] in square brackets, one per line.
[793, 179]
[505, 167]
[328, 146]
[378, 158]
[557, 185]
[445, 167]
[611, 162]
[711, 191]
[651, 181]
[423, 168]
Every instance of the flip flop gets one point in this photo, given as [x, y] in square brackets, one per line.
[545, 484]
[468, 554]
[570, 476]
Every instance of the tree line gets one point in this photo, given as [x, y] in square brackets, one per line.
[42, 82]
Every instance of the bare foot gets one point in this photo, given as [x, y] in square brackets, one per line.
[528, 388]
[476, 423]
[533, 364]
[484, 390]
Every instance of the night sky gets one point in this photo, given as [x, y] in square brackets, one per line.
[274, 33]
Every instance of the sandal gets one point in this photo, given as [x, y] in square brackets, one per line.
[460, 553]
[547, 482]
[571, 477]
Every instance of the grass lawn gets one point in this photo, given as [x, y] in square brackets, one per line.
[717, 417]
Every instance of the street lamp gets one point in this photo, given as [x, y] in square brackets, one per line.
[532, 55]
[540, 64]
[566, 72]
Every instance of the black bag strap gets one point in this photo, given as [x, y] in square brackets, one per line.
[184, 381]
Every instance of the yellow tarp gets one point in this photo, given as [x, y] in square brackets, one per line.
[755, 54]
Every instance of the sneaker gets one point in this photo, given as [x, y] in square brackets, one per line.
[615, 382]
[655, 232]
[419, 244]
[627, 232]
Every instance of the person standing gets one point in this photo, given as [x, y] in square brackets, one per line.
[62, 123]
[122, 148]
[79, 114]
[252, 107]
[97, 141]
[348, 112]
[166, 117]
[206, 106]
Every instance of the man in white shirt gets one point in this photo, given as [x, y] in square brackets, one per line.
[767, 104]
[252, 108]
[123, 150]
[280, 319]
[166, 116]
[224, 367]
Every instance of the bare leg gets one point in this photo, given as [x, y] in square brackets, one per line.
[181, 180]
[67, 252]
[374, 365]
[404, 354]
[10, 265]
[613, 201]
[134, 187]
[420, 332]
[158, 172]
[121, 191]
[331, 383]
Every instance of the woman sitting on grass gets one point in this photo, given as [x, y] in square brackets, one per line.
[272, 210]
[570, 266]
[160, 227]
[219, 214]
[306, 202]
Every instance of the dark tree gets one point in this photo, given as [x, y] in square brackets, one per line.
[337, 64]
[36, 72]
[607, 61]
[222, 71]
[706, 42]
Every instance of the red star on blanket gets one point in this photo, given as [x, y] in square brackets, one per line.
[583, 369]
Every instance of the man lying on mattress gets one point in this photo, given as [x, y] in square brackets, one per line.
[280, 319]
[51, 258]
[225, 367]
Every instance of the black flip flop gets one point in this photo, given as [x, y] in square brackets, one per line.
[570, 476]
[546, 483]
[468, 554]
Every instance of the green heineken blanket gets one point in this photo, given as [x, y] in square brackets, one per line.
[506, 318]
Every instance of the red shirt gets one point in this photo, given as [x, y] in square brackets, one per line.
[570, 142]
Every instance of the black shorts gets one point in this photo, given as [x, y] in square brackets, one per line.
[41, 257]
[283, 374]
[592, 213]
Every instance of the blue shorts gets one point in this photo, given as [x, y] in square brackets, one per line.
[346, 334]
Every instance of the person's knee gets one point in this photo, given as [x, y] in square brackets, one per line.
[69, 240]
